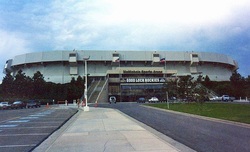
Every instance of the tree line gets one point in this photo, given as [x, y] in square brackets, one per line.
[186, 87]
[238, 86]
[23, 87]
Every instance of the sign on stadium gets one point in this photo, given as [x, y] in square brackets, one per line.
[143, 80]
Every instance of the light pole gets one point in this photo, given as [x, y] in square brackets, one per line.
[86, 107]
[167, 100]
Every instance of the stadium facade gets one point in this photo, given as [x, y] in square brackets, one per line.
[123, 72]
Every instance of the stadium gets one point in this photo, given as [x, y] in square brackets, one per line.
[124, 74]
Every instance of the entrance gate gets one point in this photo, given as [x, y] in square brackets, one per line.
[132, 92]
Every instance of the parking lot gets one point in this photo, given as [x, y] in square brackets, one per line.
[23, 129]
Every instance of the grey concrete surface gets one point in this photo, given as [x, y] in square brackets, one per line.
[108, 130]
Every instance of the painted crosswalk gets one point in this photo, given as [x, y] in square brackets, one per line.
[24, 130]
[15, 123]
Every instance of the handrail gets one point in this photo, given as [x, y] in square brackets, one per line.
[101, 91]
[94, 89]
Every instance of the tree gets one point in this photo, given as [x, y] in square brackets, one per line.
[72, 90]
[238, 84]
[247, 90]
[248, 79]
[80, 86]
[200, 94]
[38, 84]
[7, 85]
[199, 79]
[207, 82]
[22, 85]
[170, 87]
[236, 77]
[186, 86]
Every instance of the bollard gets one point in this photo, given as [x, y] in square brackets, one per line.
[47, 106]
[96, 104]
[83, 102]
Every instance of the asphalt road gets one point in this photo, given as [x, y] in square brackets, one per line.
[23, 129]
[199, 134]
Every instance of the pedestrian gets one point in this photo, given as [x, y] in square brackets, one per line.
[78, 103]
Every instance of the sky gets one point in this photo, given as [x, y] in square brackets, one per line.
[221, 26]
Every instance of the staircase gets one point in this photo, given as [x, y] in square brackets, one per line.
[96, 91]
[97, 87]
[210, 93]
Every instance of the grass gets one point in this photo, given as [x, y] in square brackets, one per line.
[232, 112]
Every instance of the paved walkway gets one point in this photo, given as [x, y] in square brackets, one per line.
[108, 130]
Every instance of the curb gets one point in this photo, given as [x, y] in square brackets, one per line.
[179, 146]
[240, 124]
[47, 143]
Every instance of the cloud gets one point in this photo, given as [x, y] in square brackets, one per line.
[12, 44]
[194, 25]
[128, 23]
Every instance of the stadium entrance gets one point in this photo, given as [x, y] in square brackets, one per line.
[130, 85]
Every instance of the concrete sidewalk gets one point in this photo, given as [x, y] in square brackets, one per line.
[108, 130]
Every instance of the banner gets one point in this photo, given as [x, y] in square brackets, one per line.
[143, 80]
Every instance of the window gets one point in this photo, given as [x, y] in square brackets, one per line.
[156, 55]
[195, 55]
[115, 55]
[72, 55]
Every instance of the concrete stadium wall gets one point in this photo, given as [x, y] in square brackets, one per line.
[55, 65]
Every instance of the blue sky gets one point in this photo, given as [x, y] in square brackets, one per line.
[208, 26]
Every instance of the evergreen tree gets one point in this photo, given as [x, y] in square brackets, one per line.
[20, 86]
[199, 79]
[38, 84]
[7, 85]
[247, 90]
[72, 90]
[238, 84]
[80, 86]
[207, 82]
[236, 78]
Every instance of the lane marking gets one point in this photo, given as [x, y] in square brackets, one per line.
[38, 115]
[29, 118]
[46, 112]
[36, 122]
[9, 119]
[36, 134]
[19, 121]
[7, 126]
[45, 122]
[29, 127]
